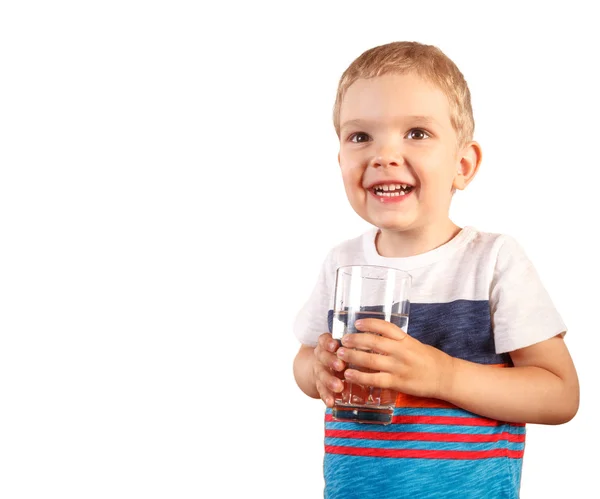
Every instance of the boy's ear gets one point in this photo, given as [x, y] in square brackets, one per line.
[468, 165]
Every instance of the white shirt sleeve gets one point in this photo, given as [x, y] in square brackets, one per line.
[311, 321]
[522, 312]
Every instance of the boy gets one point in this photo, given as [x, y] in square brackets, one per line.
[403, 116]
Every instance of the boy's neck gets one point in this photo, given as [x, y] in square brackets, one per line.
[399, 244]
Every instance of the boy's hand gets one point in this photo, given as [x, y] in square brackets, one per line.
[405, 364]
[326, 363]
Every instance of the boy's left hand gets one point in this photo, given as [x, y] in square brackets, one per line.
[404, 363]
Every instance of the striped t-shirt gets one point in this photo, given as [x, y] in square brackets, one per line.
[477, 298]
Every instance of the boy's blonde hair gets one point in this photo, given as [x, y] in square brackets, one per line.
[429, 63]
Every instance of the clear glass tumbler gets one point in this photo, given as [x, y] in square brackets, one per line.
[361, 292]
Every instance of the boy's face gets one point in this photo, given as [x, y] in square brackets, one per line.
[399, 153]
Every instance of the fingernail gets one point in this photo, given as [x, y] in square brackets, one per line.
[358, 324]
[341, 352]
[332, 345]
[338, 365]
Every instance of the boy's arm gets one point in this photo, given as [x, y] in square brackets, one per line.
[542, 387]
[303, 371]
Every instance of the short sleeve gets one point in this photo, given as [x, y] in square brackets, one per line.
[311, 320]
[522, 312]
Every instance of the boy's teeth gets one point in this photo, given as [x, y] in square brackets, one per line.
[391, 194]
[391, 190]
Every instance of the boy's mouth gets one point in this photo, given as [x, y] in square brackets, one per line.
[391, 190]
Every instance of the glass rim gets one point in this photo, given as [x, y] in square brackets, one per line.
[379, 267]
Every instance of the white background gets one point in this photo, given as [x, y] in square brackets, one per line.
[169, 188]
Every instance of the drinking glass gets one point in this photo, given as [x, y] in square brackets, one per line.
[361, 292]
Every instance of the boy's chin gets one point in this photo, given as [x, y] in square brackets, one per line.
[391, 221]
[395, 227]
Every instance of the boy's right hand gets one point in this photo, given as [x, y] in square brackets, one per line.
[327, 363]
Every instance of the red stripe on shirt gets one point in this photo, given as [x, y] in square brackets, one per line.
[440, 420]
[425, 436]
[424, 454]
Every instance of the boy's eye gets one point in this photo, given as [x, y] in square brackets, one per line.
[359, 137]
[417, 134]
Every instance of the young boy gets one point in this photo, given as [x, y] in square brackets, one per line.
[403, 116]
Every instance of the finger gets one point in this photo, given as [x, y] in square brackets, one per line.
[366, 360]
[368, 342]
[325, 394]
[334, 384]
[329, 360]
[379, 326]
[329, 381]
[326, 342]
[328, 387]
[379, 379]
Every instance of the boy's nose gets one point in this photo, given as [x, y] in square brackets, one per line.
[386, 158]
[382, 161]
